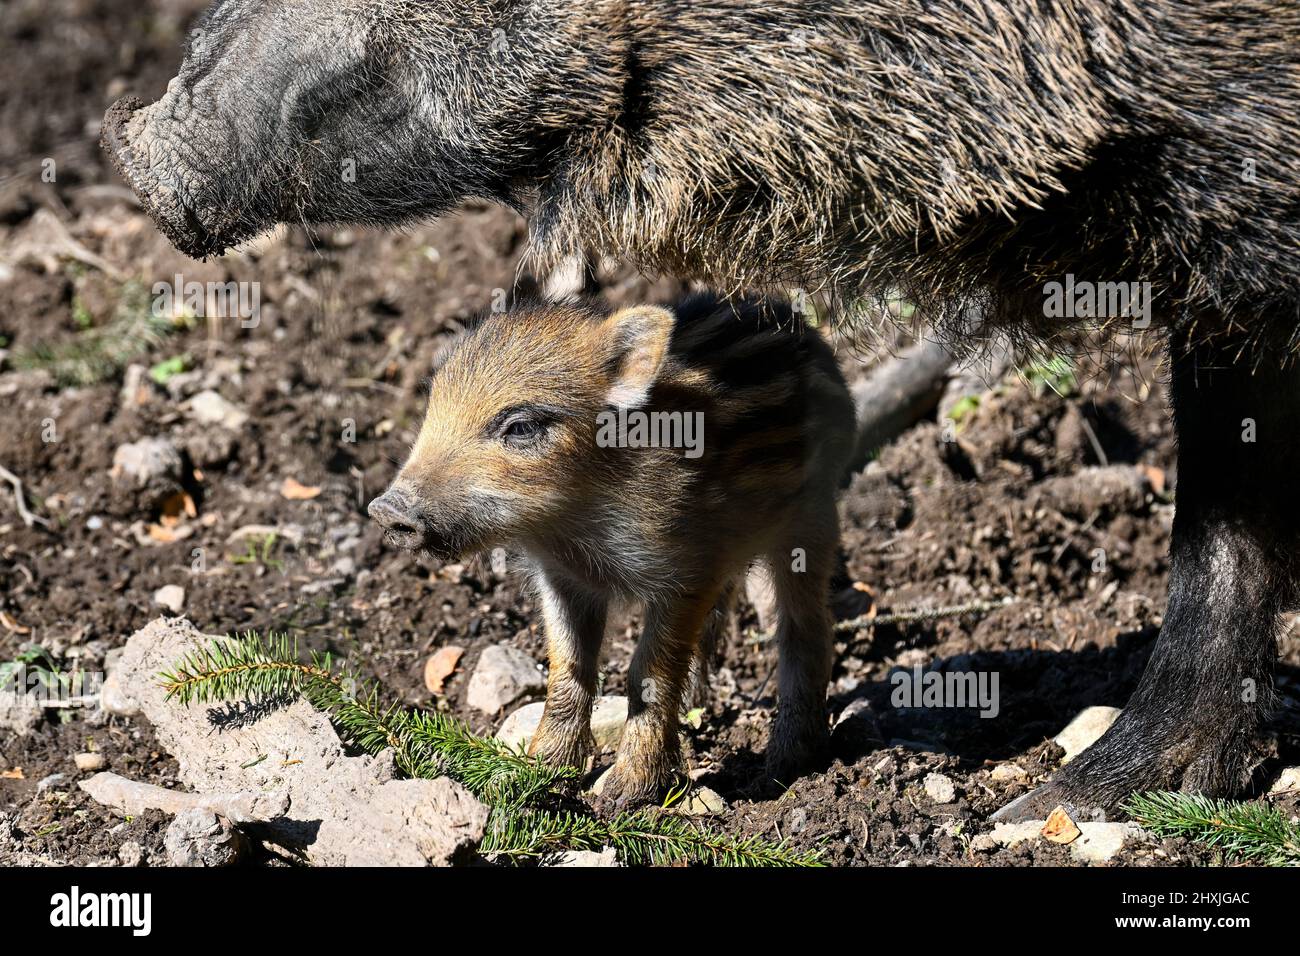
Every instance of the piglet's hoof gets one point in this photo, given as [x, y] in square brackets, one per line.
[612, 794]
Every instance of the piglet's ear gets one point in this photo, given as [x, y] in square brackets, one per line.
[639, 338]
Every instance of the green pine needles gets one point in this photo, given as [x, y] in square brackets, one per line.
[1248, 832]
[533, 814]
[97, 354]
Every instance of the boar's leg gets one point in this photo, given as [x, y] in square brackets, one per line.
[1194, 721]
[801, 576]
[575, 627]
[650, 755]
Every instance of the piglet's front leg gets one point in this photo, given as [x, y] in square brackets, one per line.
[575, 627]
[650, 755]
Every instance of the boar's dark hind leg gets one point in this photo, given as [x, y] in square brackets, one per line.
[1195, 720]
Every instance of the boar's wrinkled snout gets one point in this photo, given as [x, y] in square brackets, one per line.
[155, 186]
[404, 523]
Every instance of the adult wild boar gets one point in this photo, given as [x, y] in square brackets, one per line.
[955, 148]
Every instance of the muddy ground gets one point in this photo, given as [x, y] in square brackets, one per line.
[330, 383]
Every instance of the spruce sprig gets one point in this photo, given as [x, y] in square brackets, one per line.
[530, 815]
[1253, 832]
[648, 837]
[249, 666]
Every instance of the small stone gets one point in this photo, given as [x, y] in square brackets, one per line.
[53, 780]
[1012, 834]
[199, 837]
[1100, 842]
[504, 674]
[145, 474]
[19, 713]
[139, 463]
[1084, 731]
[983, 843]
[939, 788]
[209, 408]
[130, 853]
[700, 802]
[171, 597]
[1060, 828]
[1008, 773]
[608, 715]
[210, 447]
[135, 386]
[606, 857]
[89, 761]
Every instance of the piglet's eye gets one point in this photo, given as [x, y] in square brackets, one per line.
[520, 432]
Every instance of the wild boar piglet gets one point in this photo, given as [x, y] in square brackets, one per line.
[649, 455]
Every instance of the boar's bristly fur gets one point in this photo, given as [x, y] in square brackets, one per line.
[952, 149]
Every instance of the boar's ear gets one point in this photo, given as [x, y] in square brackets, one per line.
[640, 338]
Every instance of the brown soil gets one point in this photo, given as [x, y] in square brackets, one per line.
[351, 322]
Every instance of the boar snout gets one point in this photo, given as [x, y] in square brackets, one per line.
[147, 167]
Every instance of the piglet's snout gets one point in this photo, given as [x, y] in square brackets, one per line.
[398, 515]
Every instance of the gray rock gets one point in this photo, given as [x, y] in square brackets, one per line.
[503, 675]
[608, 715]
[939, 788]
[343, 810]
[1084, 731]
[134, 797]
[198, 837]
[53, 780]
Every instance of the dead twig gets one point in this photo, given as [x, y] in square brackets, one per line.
[28, 518]
[905, 617]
